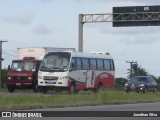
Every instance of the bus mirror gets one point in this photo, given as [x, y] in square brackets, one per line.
[9, 67]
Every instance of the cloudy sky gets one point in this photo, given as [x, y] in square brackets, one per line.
[54, 23]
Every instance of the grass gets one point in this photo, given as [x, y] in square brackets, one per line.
[64, 100]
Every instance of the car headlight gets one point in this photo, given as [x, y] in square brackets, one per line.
[126, 84]
[9, 78]
[141, 85]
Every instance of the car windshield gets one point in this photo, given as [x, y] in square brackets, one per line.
[139, 79]
[23, 66]
[55, 61]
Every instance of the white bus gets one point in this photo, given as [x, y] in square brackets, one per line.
[74, 71]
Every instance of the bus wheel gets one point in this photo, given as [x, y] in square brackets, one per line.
[11, 89]
[72, 88]
[45, 90]
[100, 87]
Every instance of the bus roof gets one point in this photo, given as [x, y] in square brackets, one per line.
[88, 55]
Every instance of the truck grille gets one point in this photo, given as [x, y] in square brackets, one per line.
[50, 78]
[19, 78]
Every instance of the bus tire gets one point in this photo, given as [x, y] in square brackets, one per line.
[45, 90]
[11, 89]
[72, 88]
[100, 87]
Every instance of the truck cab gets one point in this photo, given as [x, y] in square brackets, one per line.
[23, 74]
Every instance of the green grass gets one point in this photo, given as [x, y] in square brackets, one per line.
[64, 100]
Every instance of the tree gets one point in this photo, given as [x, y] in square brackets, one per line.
[137, 71]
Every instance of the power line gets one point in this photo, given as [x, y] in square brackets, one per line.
[9, 54]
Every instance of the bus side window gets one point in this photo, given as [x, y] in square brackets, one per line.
[73, 63]
[107, 65]
[93, 64]
[112, 65]
[79, 63]
[85, 63]
[99, 64]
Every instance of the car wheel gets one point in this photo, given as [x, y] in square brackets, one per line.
[155, 90]
[126, 91]
[145, 90]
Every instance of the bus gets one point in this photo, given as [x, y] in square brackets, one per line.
[74, 71]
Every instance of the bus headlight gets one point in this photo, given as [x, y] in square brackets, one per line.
[40, 75]
[9, 78]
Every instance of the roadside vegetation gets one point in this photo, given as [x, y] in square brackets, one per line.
[65, 100]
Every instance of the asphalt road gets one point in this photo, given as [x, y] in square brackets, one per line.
[149, 107]
[125, 107]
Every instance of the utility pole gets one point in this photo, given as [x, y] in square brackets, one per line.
[1, 41]
[131, 64]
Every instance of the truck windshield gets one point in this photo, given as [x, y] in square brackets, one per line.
[23, 66]
[55, 61]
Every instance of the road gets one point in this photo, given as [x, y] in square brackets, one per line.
[125, 107]
[150, 107]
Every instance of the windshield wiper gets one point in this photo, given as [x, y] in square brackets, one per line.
[56, 68]
[51, 68]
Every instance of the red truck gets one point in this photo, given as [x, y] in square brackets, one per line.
[24, 71]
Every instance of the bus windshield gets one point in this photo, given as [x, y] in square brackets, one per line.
[23, 66]
[55, 61]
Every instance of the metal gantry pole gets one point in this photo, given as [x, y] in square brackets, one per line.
[114, 17]
[80, 49]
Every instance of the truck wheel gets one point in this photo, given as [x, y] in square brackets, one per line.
[11, 89]
[35, 87]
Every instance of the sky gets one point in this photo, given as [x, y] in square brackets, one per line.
[54, 23]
